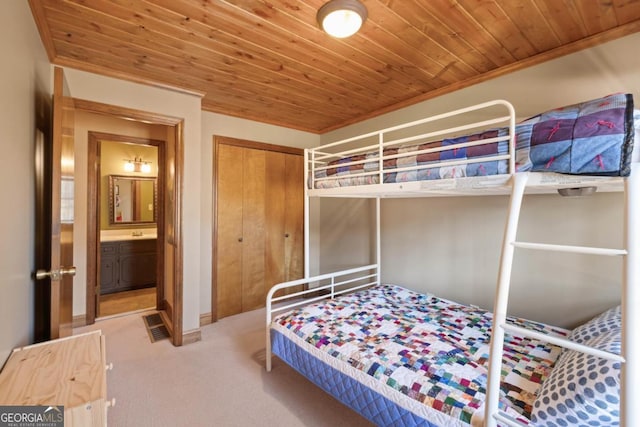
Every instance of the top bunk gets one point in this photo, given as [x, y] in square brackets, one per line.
[476, 150]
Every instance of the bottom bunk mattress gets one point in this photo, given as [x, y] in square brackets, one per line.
[403, 358]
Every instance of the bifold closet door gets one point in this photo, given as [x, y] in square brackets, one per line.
[284, 219]
[241, 229]
[259, 231]
[293, 218]
[254, 228]
[229, 230]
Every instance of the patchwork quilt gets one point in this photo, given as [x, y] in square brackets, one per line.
[589, 138]
[425, 354]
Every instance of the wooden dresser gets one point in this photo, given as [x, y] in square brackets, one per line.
[69, 371]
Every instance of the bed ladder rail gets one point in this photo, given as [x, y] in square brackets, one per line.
[630, 376]
[573, 249]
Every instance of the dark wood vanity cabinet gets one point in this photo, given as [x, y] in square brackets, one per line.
[127, 265]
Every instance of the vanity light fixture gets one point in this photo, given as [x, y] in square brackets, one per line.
[137, 165]
[341, 18]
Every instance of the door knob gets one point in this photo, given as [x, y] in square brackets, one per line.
[56, 274]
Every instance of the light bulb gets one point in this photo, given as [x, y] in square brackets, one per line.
[342, 23]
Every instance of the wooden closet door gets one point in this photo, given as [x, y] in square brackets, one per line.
[254, 229]
[229, 201]
[275, 224]
[284, 233]
[259, 223]
[294, 217]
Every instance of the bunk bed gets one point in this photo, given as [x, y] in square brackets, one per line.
[403, 358]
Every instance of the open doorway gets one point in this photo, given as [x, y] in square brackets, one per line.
[162, 234]
[130, 262]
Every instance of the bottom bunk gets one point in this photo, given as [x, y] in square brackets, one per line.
[401, 358]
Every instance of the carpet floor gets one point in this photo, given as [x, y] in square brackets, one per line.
[219, 381]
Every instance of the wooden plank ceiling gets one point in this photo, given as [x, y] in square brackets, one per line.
[267, 60]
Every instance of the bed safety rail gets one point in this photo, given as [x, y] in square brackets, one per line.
[300, 292]
[373, 156]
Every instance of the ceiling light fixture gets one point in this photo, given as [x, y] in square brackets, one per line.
[341, 18]
[137, 165]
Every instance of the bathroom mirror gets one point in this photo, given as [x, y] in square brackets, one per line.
[132, 200]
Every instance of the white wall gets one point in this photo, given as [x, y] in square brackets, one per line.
[451, 246]
[345, 236]
[25, 88]
[162, 101]
[220, 125]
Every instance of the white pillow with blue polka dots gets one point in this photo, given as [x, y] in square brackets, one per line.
[601, 324]
[584, 390]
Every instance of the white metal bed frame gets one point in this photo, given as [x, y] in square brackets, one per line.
[515, 184]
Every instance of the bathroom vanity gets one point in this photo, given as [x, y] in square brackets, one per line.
[127, 263]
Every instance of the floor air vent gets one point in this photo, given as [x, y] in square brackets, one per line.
[156, 328]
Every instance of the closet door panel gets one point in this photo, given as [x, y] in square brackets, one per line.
[253, 224]
[229, 230]
[275, 224]
[294, 217]
[258, 223]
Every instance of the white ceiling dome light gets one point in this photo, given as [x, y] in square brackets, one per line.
[341, 18]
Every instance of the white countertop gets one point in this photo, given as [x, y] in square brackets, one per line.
[116, 238]
[120, 235]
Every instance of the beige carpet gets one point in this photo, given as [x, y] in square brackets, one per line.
[219, 381]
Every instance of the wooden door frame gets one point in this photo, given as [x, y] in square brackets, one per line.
[172, 217]
[94, 208]
[217, 140]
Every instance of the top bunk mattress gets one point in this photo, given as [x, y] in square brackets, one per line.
[594, 138]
